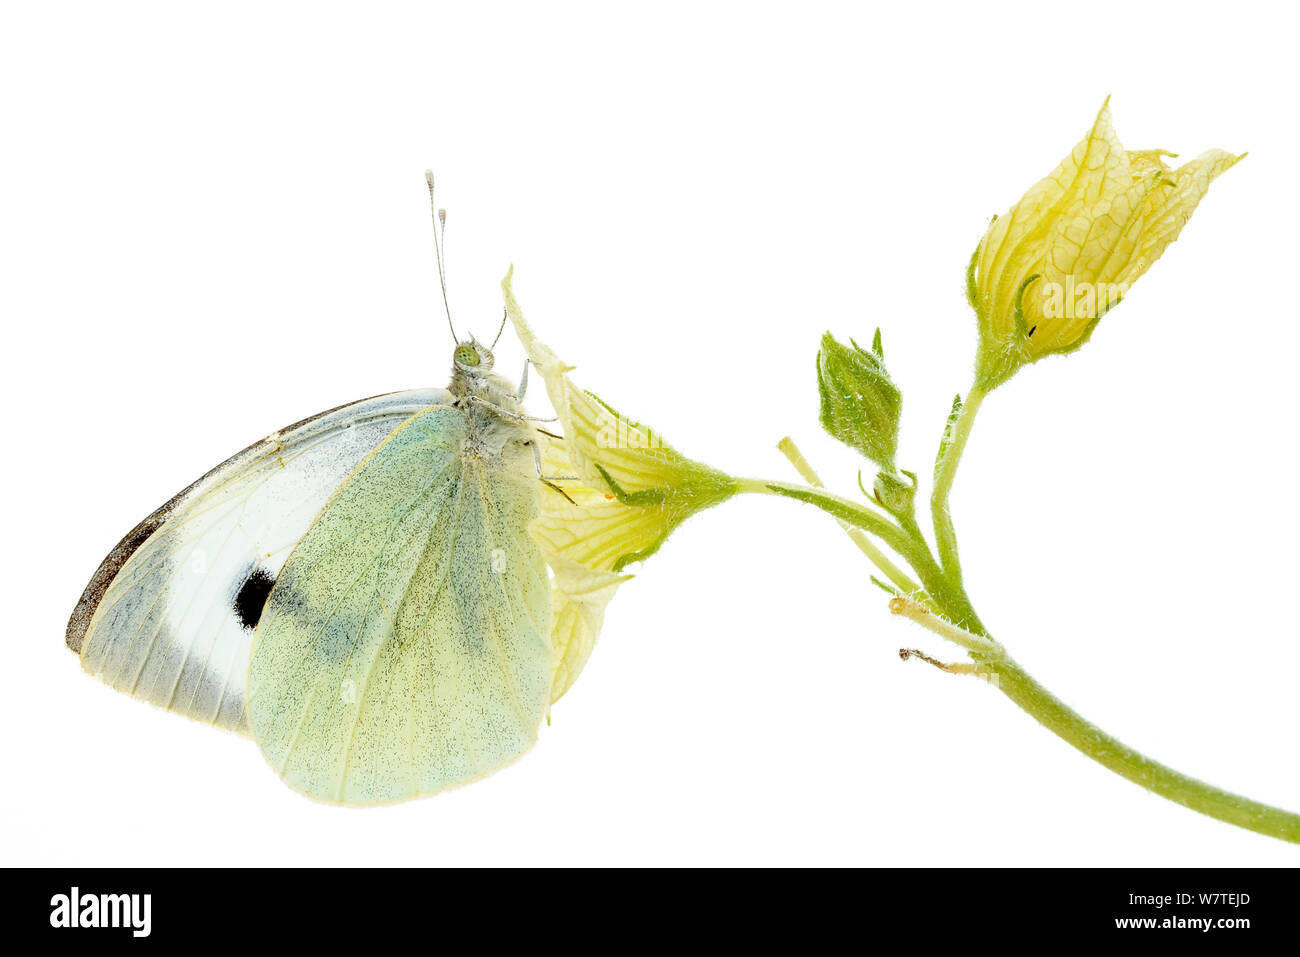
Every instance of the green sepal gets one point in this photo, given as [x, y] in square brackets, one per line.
[1019, 318]
[948, 430]
[972, 290]
[887, 588]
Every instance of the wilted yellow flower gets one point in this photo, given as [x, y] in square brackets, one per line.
[631, 490]
[1048, 270]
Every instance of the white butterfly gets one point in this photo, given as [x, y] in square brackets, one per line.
[358, 592]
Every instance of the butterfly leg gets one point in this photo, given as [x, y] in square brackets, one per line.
[517, 416]
[523, 383]
[550, 480]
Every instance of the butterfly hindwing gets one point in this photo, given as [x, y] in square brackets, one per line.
[169, 616]
[404, 648]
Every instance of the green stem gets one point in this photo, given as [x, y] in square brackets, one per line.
[945, 472]
[859, 538]
[947, 594]
[846, 510]
[1086, 737]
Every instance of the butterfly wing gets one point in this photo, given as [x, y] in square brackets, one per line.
[405, 646]
[169, 615]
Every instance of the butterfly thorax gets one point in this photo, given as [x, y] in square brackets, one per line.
[490, 404]
[489, 388]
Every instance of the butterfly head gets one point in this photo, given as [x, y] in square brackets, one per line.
[472, 357]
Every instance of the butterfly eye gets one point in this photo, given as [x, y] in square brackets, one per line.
[466, 356]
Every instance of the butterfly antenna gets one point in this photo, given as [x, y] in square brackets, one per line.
[504, 314]
[439, 243]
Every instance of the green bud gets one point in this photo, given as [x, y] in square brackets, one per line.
[860, 404]
[895, 491]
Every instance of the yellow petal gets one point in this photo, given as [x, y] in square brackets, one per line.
[578, 600]
[580, 543]
[1016, 243]
[1087, 251]
[1140, 161]
[1171, 204]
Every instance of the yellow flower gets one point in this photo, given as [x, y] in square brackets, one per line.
[629, 492]
[1048, 270]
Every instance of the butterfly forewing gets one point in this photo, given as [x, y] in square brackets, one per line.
[170, 614]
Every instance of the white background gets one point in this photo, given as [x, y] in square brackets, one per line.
[214, 223]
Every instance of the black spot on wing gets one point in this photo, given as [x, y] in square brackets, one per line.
[251, 598]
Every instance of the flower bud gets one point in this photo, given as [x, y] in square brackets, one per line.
[860, 404]
[895, 491]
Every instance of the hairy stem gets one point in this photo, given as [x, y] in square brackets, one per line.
[1081, 734]
[981, 644]
[1086, 737]
[865, 545]
[947, 595]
